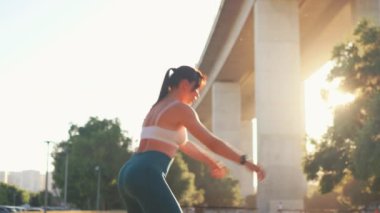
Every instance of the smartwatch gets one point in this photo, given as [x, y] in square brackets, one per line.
[243, 159]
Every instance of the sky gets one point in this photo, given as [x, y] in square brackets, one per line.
[62, 62]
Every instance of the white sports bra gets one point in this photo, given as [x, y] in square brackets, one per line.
[173, 137]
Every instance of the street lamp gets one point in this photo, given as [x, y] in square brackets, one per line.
[46, 177]
[14, 198]
[66, 174]
[97, 168]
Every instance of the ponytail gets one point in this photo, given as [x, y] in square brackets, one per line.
[165, 86]
[174, 76]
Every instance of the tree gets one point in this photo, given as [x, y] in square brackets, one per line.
[217, 192]
[182, 183]
[11, 195]
[3, 193]
[315, 201]
[38, 199]
[351, 147]
[99, 143]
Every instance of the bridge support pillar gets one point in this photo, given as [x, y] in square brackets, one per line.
[226, 123]
[279, 104]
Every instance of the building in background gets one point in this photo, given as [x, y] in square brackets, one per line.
[28, 180]
[3, 176]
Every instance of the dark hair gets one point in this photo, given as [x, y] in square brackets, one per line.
[174, 76]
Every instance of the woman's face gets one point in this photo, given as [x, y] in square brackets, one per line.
[190, 93]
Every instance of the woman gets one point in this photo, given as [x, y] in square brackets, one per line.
[141, 180]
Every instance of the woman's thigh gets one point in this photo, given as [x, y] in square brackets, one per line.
[130, 203]
[157, 197]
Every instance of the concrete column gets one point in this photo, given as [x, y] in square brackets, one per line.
[246, 144]
[226, 124]
[369, 9]
[279, 106]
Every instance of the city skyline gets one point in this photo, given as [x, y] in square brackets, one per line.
[29, 180]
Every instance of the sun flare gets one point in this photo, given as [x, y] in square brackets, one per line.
[319, 110]
[335, 96]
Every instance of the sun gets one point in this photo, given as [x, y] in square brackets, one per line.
[335, 96]
[319, 110]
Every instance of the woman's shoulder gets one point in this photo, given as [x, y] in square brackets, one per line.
[178, 108]
[183, 109]
[183, 106]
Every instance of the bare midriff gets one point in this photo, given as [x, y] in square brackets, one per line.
[155, 145]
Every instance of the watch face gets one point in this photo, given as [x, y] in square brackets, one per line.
[243, 159]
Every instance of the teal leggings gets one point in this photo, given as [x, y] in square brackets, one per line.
[142, 184]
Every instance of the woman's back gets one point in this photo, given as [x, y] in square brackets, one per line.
[161, 130]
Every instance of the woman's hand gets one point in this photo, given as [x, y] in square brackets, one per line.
[218, 170]
[255, 168]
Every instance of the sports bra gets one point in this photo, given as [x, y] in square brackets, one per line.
[172, 137]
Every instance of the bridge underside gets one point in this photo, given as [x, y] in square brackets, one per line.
[322, 25]
[256, 59]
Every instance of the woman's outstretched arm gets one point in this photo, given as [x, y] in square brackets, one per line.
[217, 169]
[191, 121]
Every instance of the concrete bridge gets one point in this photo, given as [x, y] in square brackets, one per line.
[258, 54]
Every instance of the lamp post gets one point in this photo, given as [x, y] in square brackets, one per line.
[66, 174]
[14, 198]
[46, 177]
[97, 168]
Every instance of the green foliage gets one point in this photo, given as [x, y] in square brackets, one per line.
[98, 143]
[218, 192]
[11, 195]
[351, 147]
[318, 201]
[352, 193]
[3, 193]
[222, 192]
[182, 183]
[38, 199]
